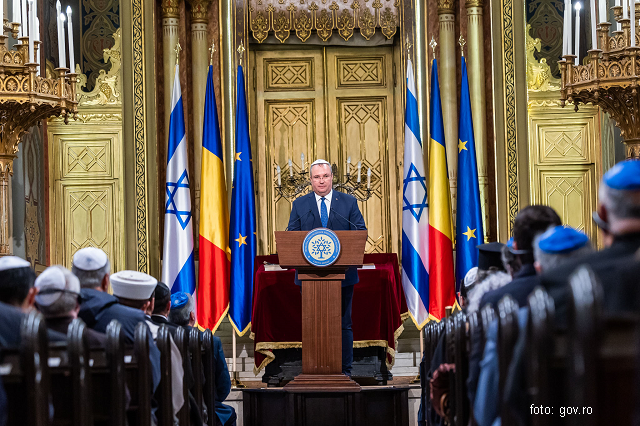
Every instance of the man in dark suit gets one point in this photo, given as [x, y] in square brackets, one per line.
[326, 208]
[162, 306]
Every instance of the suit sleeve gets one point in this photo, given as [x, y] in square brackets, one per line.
[294, 218]
[356, 217]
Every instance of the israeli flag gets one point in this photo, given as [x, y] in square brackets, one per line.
[178, 270]
[415, 213]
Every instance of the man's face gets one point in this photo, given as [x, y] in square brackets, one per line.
[321, 179]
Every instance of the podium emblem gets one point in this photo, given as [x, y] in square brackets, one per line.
[321, 247]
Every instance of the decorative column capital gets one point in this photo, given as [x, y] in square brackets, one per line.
[199, 10]
[473, 3]
[170, 8]
[445, 7]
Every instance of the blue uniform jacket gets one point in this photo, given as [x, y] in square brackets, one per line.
[223, 382]
[99, 308]
[344, 209]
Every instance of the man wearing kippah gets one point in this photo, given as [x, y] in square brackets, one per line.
[326, 208]
[98, 307]
[618, 216]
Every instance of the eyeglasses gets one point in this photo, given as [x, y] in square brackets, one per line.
[320, 177]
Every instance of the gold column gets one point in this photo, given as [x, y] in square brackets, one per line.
[421, 66]
[6, 171]
[449, 90]
[228, 72]
[170, 22]
[475, 58]
[199, 70]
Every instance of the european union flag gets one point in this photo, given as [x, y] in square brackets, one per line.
[469, 221]
[242, 227]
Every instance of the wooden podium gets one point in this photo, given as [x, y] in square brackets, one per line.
[321, 310]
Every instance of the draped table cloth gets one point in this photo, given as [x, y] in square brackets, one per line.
[379, 308]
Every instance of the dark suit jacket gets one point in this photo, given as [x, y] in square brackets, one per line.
[159, 320]
[522, 285]
[344, 209]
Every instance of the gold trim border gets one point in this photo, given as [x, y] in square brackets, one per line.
[139, 133]
[510, 110]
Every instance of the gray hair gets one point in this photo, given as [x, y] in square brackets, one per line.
[620, 204]
[549, 261]
[66, 303]
[91, 279]
[180, 316]
[321, 164]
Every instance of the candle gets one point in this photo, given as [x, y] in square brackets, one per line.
[625, 6]
[566, 28]
[369, 178]
[348, 164]
[31, 32]
[302, 161]
[594, 37]
[278, 173]
[16, 10]
[61, 58]
[290, 168]
[577, 52]
[618, 23]
[632, 15]
[72, 56]
[23, 18]
[359, 169]
[603, 11]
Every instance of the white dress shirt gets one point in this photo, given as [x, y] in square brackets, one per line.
[327, 202]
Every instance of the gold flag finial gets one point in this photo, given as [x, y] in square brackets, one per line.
[408, 45]
[212, 50]
[462, 42]
[433, 45]
[177, 50]
[241, 50]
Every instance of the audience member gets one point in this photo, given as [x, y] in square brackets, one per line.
[98, 308]
[529, 223]
[162, 307]
[183, 309]
[491, 273]
[16, 282]
[58, 299]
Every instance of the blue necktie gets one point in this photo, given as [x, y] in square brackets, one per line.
[324, 217]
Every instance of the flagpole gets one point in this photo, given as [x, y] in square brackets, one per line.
[235, 381]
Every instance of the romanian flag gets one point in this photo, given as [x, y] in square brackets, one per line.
[469, 216]
[213, 287]
[441, 277]
[242, 229]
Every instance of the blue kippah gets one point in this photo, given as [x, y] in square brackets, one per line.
[562, 239]
[624, 176]
[178, 300]
[510, 243]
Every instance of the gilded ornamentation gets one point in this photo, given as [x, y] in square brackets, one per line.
[303, 25]
[170, 8]
[140, 137]
[345, 24]
[510, 110]
[445, 6]
[473, 3]
[546, 24]
[287, 75]
[539, 76]
[98, 21]
[360, 72]
[283, 16]
[107, 88]
[388, 23]
[199, 10]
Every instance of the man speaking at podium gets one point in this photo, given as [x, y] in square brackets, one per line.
[326, 208]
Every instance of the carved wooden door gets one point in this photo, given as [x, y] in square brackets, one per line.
[331, 103]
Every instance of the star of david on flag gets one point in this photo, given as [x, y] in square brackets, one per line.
[415, 216]
[182, 195]
[178, 266]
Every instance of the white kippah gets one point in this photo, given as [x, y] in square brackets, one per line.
[12, 262]
[54, 278]
[319, 161]
[90, 259]
[471, 276]
[133, 285]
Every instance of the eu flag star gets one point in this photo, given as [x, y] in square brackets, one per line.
[241, 240]
[238, 156]
[462, 146]
[471, 233]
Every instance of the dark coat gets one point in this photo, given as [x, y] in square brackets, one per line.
[223, 383]
[519, 288]
[344, 209]
[11, 323]
[61, 325]
[99, 308]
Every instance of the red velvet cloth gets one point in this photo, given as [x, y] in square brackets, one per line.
[378, 305]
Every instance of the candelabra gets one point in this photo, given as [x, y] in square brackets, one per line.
[610, 78]
[296, 183]
[26, 98]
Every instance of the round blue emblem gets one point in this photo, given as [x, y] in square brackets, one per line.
[321, 247]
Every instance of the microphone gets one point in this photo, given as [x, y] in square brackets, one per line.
[299, 219]
[351, 223]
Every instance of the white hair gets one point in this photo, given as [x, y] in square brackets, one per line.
[494, 281]
[91, 279]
